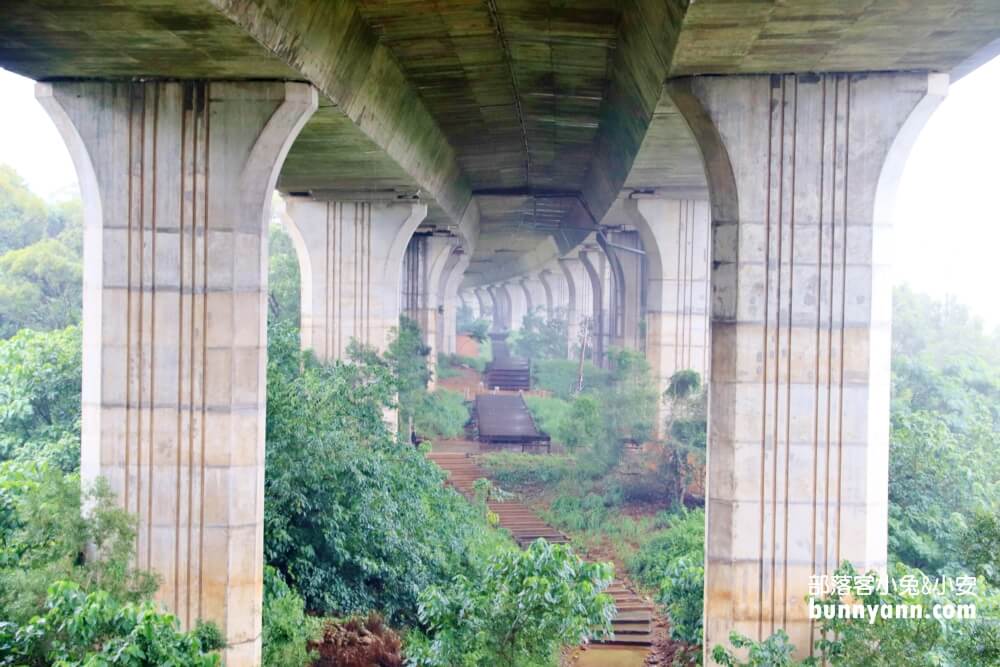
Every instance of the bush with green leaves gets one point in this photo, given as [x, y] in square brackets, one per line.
[671, 563]
[517, 469]
[775, 651]
[40, 397]
[440, 414]
[50, 531]
[560, 377]
[477, 330]
[520, 611]
[79, 628]
[283, 280]
[353, 520]
[541, 337]
[874, 641]
[287, 629]
[460, 361]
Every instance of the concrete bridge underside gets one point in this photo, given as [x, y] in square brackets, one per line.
[708, 182]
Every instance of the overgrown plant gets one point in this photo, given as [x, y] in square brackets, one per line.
[541, 337]
[523, 608]
[79, 628]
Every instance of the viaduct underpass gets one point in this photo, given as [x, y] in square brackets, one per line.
[710, 182]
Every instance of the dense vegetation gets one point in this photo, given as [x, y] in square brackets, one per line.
[355, 521]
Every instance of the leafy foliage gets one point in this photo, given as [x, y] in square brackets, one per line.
[81, 628]
[46, 536]
[945, 430]
[283, 282]
[541, 337]
[559, 377]
[524, 607]
[477, 330]
[775, 651]
[440, 414]
[40, 259]
[287, 630]
[353, 520]
[40, 397]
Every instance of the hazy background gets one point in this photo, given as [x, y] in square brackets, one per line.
[947, 215]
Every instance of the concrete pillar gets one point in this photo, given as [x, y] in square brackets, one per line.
[535, 295]
[579, 300]
[625, 302]
[802, 171]
[431, 311]
[518, 300]
[595, 266]
[675, 235]
[502, 307]
[448, 296]
[350, 259]
[487, 307]
[176, 181]
[553, 285]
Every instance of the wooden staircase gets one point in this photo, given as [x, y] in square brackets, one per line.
[633, 622]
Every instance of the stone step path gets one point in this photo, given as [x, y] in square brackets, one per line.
[632, 625]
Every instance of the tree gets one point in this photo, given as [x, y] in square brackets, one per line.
[79, 628]
[353, 520]
[541, 337]
[50, 531]
[23, 215]
[521, 610]
[283, 278]
[40, 397]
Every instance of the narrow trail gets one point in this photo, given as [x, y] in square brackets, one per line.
[632, 625]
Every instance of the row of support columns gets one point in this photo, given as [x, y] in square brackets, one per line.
[177, 179]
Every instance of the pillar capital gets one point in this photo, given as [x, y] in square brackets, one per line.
[350, 259]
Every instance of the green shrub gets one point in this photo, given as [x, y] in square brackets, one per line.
[287, 629]
[682, 592]
[461, 361]
[684, 538]
[517, 469]
[541, 337]
[352, 520]
[46, 536]
[40, 397]
[440, 414]
[560, 377]
[80, 628]
[550, 415]
[524, 607]
[478, 330]
[775, 651]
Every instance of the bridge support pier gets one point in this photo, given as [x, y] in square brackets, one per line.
[675, 235]
[802, 171]
[579, 302]
[176, 179]
[448, 297]
[595, 262]
[351, 263]
[426, 258]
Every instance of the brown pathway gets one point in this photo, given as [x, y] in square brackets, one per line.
[632, 625]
